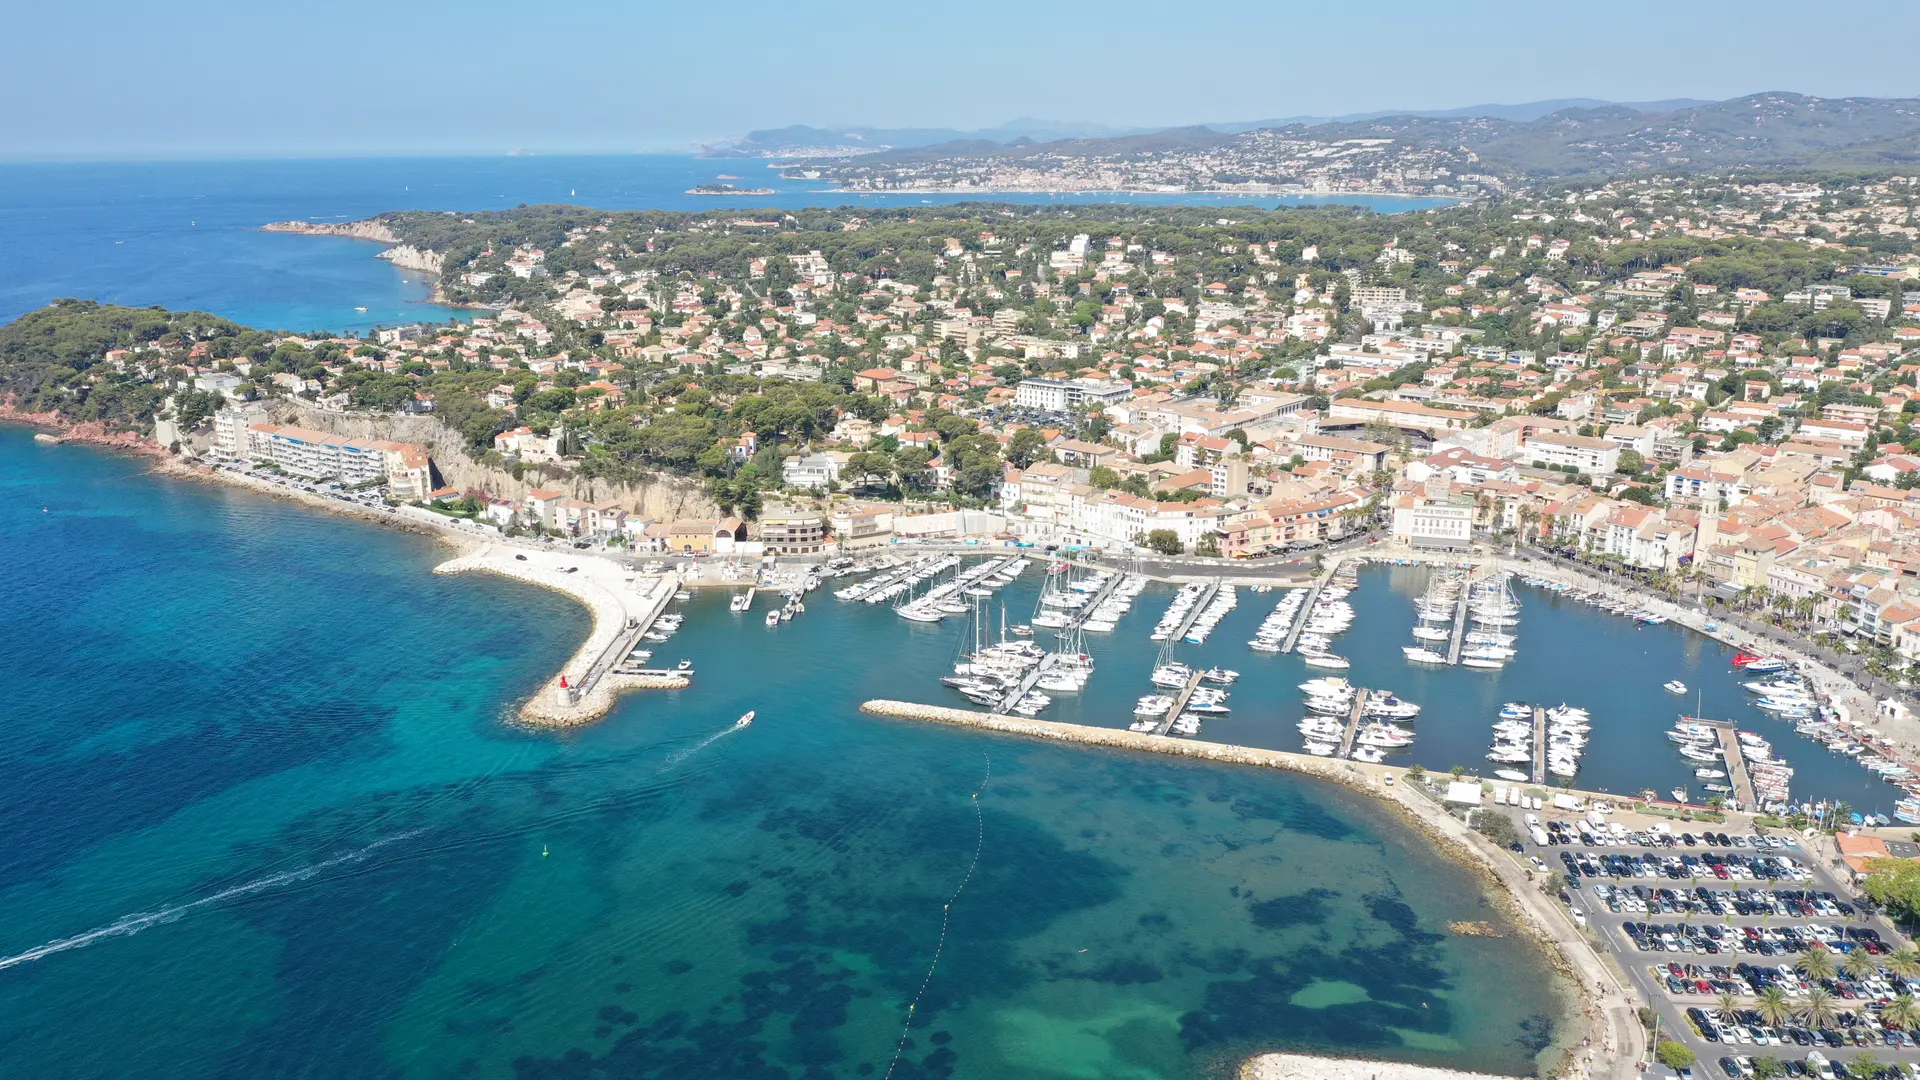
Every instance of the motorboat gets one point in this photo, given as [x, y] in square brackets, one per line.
[1219, 675]
[1368, 755]
[1422, 656]
[1481, 662]
[1511, 774]
[1321, 749]
[1326, 660]
[744, 720]
[1675, 687]
[1152, 705]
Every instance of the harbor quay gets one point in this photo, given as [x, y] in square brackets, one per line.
[624, 606]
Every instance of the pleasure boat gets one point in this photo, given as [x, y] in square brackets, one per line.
[1326, 660]
[744, 720]
[1368, 755]
[773, 617]
[1511, 774]
[1327, 686]
[1516, 710]
[1422, 656]
[1152, 705]
[1675, 687]
[1322, 749]
[1481, 662]
[1219, 675]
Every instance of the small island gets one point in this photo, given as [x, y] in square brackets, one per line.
[727, 189]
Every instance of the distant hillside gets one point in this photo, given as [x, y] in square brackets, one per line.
[1769, 130]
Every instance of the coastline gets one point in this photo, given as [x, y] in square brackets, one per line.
[541, 709]
[1602, 1013]
[1062, 190]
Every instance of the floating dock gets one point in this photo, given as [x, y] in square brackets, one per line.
[1082, 614]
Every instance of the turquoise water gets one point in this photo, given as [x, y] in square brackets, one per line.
[265, 817]
[186, 234]
[1567, 652]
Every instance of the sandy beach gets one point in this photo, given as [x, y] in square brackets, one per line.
[619, 599]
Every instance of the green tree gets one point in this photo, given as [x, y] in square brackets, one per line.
[1025, 447]
[1904, 962]
[1816, 963]
[1902, 1012]
[1894, 884]
[1630, 462]
[1768, 1067]
[1859, 963]
[1773, 1006]
[1818, 1009]
[1164, 541]
[1103, 477]
[1674, 1055]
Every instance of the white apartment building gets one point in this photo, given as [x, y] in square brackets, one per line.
[1587, 455]
[1069, 395]
[1420, 523]
[319, 455]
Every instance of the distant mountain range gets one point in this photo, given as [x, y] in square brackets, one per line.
[1533, 140]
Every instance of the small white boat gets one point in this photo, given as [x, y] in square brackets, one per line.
[1514, 775]
[1676, 687]
[1481, 662]
[1326, 660]
[1422, 656]
[745, 720]
[773, 617]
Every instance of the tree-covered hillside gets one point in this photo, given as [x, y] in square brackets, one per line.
[55, 358]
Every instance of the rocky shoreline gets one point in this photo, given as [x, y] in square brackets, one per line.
[1602, 1017]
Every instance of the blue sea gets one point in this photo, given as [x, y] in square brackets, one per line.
[185, 234]
[266, 815]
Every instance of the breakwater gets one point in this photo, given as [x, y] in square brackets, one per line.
[1602, 1014]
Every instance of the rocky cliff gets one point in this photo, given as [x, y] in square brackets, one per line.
[370, 229]
[662, 499]
[408, 257]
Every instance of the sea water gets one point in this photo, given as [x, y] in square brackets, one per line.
[267, 815]
[186, 234]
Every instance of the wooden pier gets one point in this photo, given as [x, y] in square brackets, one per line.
[1459, 625]
[1737, 775]
[1539, 745]
[1353, 721]
[1179, 704]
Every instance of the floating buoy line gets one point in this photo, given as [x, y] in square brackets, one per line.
[946, 916]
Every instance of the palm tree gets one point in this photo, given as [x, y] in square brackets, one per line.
[1902, 1012]
[1904, 962]
[1816, 964]
[1818, 1010]
[1860, 963]
[1727, 1003]
[1773, 1006]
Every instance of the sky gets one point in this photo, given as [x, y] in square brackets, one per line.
[135, 79]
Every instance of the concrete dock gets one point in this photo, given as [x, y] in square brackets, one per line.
[1193, 615]
[1179, 704]
[1353, 721]
[1459, 625]
[1539, 745]
[1306, 612]
[1026, 684]
[1737, 775]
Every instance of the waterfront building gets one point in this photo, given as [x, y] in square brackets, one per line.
[812, 470]
[319, 455]
[790, 530]
[1433, 524]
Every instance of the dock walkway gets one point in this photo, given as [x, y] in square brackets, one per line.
[1353, 720]
[1193, 613]
[1539, 745]
[1737, 774]
[1306, 612]
[1179, 704]
[1082, 614]
[1026, 683]
[1459, 626]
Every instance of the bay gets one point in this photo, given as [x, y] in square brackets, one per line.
[267, 816]
[186, 234]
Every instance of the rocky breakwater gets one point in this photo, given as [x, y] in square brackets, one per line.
[1603, 1014]
[610, 594]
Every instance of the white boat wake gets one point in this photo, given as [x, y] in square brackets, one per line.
[679, 756]
[132, 924]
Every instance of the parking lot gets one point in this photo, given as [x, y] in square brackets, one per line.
[1752, 953]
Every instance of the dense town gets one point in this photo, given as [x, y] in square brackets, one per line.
[1709, 381]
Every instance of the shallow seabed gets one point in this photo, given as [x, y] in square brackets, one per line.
[266, 818]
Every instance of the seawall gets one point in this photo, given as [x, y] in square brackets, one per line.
[1603, 1014]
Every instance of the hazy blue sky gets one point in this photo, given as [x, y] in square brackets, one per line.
[136, 78]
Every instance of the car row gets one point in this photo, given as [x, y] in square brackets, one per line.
[1762, 940]
[1700, 900]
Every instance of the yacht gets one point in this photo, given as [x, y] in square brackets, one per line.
[773, 617]
[1320, 749]
[1516, 710]
[1481, 662]
[740, 602]
[1326, 660]
[1368, 755]
[1511, 774]
[1422, 656]
[1675, 687]
[1153, 705]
